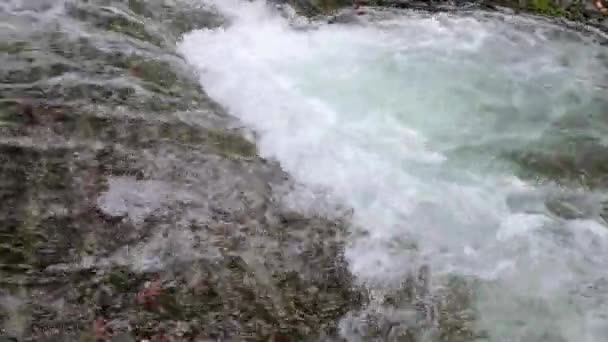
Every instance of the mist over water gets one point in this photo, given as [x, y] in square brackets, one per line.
[407, 119]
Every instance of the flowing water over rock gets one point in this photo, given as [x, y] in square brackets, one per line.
[132, 205]
[445, 175]
[470, 145]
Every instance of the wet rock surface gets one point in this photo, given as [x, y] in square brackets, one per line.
[586, 12]
[570, 151]
[133, 207]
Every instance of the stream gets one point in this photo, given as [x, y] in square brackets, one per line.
[420, 123]
[227, 170]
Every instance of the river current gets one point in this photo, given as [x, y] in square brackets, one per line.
[416, 122]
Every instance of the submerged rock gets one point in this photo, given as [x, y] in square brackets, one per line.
[567, 159]
[417, 311]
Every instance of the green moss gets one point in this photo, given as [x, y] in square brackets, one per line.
[226, 143]
[11, 113]
[14, 47]
[35, 73]
[32, 180]
[182, 22]
[170, 307]
[15, 268]
[231, 144]
[142, 133]
[139, 7]
[328, 6]
[18, 253]
[153, 71]
[547, 7]
[86, 336]
[542, 7]
[111, 21]
[568, 160]
[133, 29]
[12, 254]
[123, 279]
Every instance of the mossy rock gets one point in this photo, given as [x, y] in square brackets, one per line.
[77, 50]
[581, 161]
[11, 113]
[12, 254]
[186, 21]
[39, 180]
[140, 7]
[160, 77]
[14, 47]
[138, 133]
[57, 157]
[328, 6]
[153, 71]
[230, 144]
[546, 7]
[457, 311]
[132, 29]
[444, 312]
[35, 72]
[164, 89]
[111, 21]
[123, 280]
[8, 339]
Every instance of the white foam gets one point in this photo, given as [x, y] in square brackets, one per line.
[373, 113]
[127, 197]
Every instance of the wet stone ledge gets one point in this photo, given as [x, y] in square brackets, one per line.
[133, 206]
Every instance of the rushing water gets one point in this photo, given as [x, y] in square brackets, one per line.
[473, 143]
[409, 119]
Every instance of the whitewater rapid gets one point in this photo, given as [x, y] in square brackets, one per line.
[404, 120]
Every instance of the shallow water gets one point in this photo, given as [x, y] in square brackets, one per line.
[410, 120]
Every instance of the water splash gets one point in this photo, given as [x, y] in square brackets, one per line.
[406, 120]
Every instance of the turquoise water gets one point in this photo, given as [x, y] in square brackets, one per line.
[407, 119]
